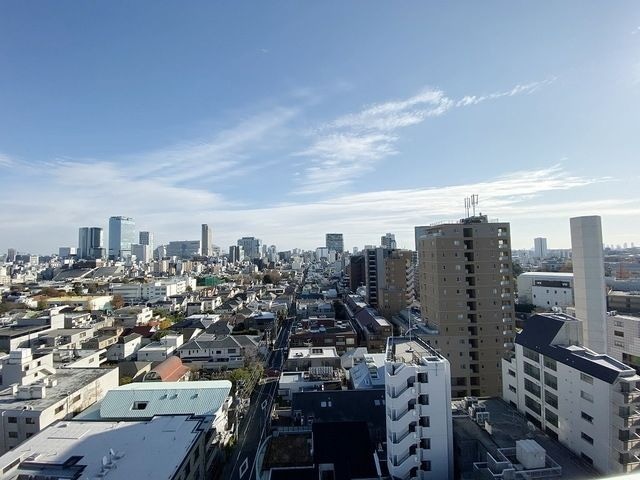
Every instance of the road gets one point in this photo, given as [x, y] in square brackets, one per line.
[255, 425]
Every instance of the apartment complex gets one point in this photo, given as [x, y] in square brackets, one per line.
[389, 279]
[586, 400]
[466, 292]
[418, 411]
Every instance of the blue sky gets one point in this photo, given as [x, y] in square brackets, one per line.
[286, 120]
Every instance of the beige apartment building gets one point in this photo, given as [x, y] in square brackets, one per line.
[466, 292]
[389, 279]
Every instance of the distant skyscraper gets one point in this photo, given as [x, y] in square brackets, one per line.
[121, 236]
[335, 242]
[540, 247]
[183, 248]
[252, 247]
[66, 252]
[11, 255]
[146, 238]
[207, 240]
[388, 241]
[588, 280]
[142, 252]
[90, 243]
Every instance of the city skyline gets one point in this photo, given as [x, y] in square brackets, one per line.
[172, 130]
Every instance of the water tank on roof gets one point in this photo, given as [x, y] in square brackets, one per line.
[530, 454]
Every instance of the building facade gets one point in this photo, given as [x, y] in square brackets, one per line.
[546, 289]
[467, 295]
[91, 243]
[121, 236]
[183, 248]
[540, 248]
[586, 400]
[207, 240]
[335, 242]
[251, 246]
[418, 408]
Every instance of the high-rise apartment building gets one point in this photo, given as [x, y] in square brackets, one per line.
[467, 294]
[418, 403]
[91, 243]
[207, 240]
[540, 247]
[588, 280]
[335, 242]
[252, 247]
[388, 240]
[389, 279]
[11, 255]
[121, 236]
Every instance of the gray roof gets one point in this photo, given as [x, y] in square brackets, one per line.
[165, 398]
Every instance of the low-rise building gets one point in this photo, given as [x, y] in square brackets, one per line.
[160, 350]
[324, 333]
[213, 352]
[85, 302]
[133, 316]
[36, 394]
[373, 328]
[125, 348]
[546, 289]
[66, 337]
[302, 358]
[586, 400]
[624, 302]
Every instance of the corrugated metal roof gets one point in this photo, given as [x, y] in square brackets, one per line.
[145, 400]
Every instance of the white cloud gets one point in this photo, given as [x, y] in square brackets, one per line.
[6, 161]
[352, 144]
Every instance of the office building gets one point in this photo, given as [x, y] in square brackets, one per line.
[183, 248]
[335, 242]
[207, 240]
[357, 272]
[466, 293]
[588, 401]
[546, 289]
[388, 241]
[146, 238]
[66, 252]
[141, 252]
[540, 248]
[418, 403]
[121, 236]
[11, 255]
[91, 243]
[588, 280]
[251, 246]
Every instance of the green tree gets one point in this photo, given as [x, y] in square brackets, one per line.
[117, 301]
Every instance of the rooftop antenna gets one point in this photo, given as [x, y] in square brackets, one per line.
[467, 206]
[474, 203]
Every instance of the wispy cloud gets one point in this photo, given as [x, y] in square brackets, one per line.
[352, 144]
[6, 161]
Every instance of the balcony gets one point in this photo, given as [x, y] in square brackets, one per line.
[505, 270]
[503, 234]
[627, 397]
[397, 461]
[505, 283]
[629, 462]
[503, 246]
[506, 320]
[503, 258]
[631, 442]
[506, 308]
[505, 296]
[508, 345]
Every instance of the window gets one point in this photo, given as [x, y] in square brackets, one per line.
[586, 438]
[532, 404]
[532, 371]
[139, 405]
[550, 363]
[618, 323]
[587, 396]
[618, 334]
[550, 380]
[551, 417]
[586, 417]
[13, 434]
[12, 420]
[13, 464]
[586, 458]
[75, 399]
[58, 409]
[531, 387]
[550, 399]
[618, 343]
[512, 388]
[586, 378]
[30, 421]
[426, 465]
[512, 373]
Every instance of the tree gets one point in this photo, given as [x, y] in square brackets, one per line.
[517, 269]
[117, 301]
[267, 279]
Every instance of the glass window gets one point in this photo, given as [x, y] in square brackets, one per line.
[550, 380]
[550, 363]
[532, 404]
[587, 396]
[587, 417]
[532, 371]
[551, 417]
[586, 378]
[586, 438]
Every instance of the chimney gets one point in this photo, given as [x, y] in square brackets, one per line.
[588, 280]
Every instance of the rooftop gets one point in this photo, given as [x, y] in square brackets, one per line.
[411, 350]
[312, 352]
[69, 380]
[75, 447]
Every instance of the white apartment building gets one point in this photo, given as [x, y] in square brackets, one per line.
[133, 316]
[35, 394]
[418, 404]
[586, 400]
[125, 348]
[623, 338]
[137, 292]
[161, 350]
[546, 289]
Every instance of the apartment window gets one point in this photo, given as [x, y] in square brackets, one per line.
[532, 404]
[512, 388]
[586, 458]
[13, 434]
[512, 373]
[531, 387]
[532, 371]
[618, 334]
[618, 343]
[530, 354]
[586, 417]
[550, 399]
[618, 323]
[12, 420]
[587, 396]
[551, 417]
[586, 378]
[550, 364]
[426, 465]
[586, 438]
[550, 380]
[75, 399]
